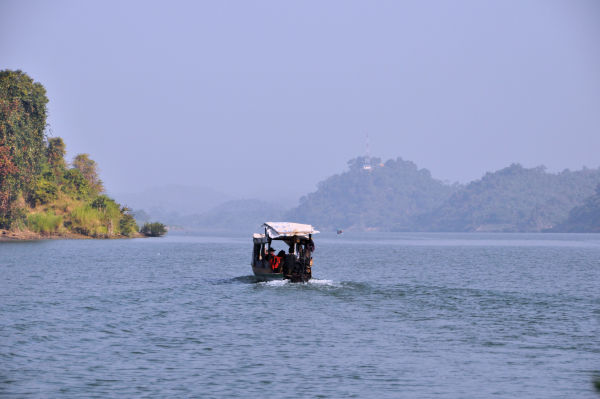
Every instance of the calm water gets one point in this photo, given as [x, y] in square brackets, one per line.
[387, 316]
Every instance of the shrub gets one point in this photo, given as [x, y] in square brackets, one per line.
[76, 185]
[99, 218]
[44, 192]
[127, 225]
[153, 229]
[44, 222]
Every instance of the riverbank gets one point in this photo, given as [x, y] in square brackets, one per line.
[28, 235]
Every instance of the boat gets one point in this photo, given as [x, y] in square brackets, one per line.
[295, 263]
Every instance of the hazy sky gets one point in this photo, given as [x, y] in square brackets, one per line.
[254, 97]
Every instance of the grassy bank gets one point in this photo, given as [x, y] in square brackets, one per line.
[100, 217]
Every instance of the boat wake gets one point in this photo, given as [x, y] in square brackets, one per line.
[316, 281]
[312, 282]
[274, 283]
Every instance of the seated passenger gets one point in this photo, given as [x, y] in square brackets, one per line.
[274, 261]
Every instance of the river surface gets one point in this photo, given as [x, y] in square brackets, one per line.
[386, 316]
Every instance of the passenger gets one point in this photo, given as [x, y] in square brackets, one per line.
[274, 261]
[281, 254]
[310, 245]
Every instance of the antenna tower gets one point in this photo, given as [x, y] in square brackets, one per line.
[367, 164]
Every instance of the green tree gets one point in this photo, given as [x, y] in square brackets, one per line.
[153, 229]
[127, 224]
[22, 125]
[89, 170]
[76, 185]
[55, 153]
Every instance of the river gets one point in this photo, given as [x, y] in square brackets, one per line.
[387, 315]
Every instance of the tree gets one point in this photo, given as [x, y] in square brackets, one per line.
[56, 153]
[89, 170]
[153, 229]
[22, 126]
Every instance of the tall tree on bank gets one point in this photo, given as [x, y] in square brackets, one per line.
[89, 170]
[22, 147]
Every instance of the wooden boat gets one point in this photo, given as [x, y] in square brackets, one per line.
[293, 264]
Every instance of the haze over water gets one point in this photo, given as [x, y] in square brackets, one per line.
[387, 316]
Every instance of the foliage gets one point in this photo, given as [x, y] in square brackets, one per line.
[44, 222]
[387, 197]
[55, 153]
[44, 192]
[37, 189]
[75, 184]
[128, 225]
[512, 199]
[98, 218]
[22, 147]
[89, 170]
[584, 218]
[153, 229]
[397, 196]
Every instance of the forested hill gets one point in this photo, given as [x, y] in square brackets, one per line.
[397, 196]
[40, 193]
[387, 197]
[584, 218]
[513, 199]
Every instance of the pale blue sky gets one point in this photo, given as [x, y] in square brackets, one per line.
[244, 96]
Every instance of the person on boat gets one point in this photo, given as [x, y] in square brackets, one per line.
[274, 261]
[281, 254]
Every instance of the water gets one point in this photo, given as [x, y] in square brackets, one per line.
[387, 316]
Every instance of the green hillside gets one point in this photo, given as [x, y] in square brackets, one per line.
[584, 218]
[512, 199]
[40, 193]
[397, 196]
[387, 197]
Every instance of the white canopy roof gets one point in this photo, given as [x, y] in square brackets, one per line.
[287, 229]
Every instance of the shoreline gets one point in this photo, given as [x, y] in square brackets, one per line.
[27, 235]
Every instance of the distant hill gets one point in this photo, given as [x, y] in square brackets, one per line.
[396, 196]
[584, 218]
[512, 199]
[387, 197]
[236, 215]
[170, 200]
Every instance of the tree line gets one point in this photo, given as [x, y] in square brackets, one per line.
[398, 196]
[39, 189]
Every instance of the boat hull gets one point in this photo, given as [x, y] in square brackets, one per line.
[266, 274]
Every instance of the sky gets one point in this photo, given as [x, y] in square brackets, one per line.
[265, 99]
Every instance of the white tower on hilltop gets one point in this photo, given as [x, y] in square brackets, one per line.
[367, 164]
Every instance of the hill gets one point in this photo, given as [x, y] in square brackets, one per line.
[512, 199]
[186, 200]
[386, 197]
[40, 193]
[584, 218]
[236, 215]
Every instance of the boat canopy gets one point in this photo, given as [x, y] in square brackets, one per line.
[287, 229]
[259, 238]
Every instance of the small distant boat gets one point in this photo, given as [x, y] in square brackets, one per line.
[339, 231]
[295, 264]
